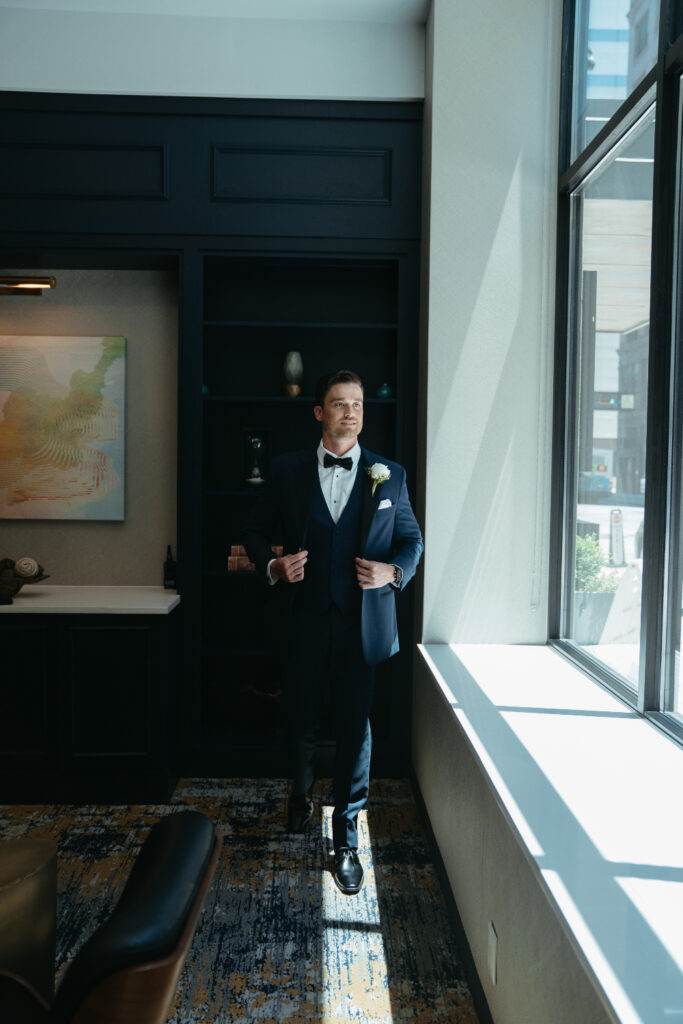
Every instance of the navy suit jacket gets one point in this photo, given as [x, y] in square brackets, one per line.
[388, 534]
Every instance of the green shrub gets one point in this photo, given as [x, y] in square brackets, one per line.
[590, 562]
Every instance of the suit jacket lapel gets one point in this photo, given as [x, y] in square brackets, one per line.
[303, 481]
[370, 502]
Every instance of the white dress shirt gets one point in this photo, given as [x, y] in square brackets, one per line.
[336, 483]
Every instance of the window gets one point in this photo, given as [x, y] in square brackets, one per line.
[617, 595]
[615, 45]
[612, 236]
[671, 696]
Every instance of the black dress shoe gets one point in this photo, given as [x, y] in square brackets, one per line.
[348, 871]
[299, 812]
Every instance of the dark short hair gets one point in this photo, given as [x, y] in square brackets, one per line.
[328, 380]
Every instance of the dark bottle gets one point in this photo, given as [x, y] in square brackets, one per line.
[169, 571]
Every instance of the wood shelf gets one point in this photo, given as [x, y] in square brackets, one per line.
[313, 324]
[243, 348]
[217, 573]
[238, 652]
[299, 400]
[230, 492]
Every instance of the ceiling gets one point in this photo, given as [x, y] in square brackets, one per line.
[387, 11]
[617, 239]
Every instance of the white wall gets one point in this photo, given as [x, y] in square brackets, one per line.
[142, 54]
[489, 173]
[491, 112]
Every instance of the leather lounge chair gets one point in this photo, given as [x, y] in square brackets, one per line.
[127, 971]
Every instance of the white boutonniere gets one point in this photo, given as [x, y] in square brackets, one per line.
[378, 473]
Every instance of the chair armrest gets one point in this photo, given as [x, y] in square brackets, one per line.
[144, 994]
[128, 969]
[20, 1002]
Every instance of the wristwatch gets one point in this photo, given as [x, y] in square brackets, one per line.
[398, 576]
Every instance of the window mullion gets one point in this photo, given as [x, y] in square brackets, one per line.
[607, 138]
[657, 491]
[561, 398]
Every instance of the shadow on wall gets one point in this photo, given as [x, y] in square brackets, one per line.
[488, 439]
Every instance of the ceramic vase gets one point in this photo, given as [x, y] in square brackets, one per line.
[293, 372]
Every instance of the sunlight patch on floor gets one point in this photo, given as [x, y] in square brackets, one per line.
[355, 962]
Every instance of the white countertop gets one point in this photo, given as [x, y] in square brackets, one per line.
[46, 600]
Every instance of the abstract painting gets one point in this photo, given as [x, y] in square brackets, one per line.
[62, 417]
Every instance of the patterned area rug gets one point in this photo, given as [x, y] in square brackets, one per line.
[277, 941]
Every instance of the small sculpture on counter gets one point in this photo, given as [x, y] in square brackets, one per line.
[256, 451]
[13, 575]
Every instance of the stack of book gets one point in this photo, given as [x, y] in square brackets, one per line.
[238, 559]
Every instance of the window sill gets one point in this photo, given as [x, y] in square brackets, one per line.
[590, 789]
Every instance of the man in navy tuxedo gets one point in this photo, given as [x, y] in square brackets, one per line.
[350, 542]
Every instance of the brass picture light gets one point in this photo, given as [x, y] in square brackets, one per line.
[26, 285]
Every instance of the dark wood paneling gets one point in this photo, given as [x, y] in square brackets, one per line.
[292, 225]
[87, 707]
[57, 171]
[304, 175]
[109, 679]
[356, 176]
[302, 290]
[289, 169]
[28, 686]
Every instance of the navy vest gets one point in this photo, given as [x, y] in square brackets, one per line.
[330, 575]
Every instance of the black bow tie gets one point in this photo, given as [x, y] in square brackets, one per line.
[345, 463]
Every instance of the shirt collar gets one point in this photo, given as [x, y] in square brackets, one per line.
[354, 453]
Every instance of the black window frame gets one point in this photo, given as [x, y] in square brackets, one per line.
[663, 463]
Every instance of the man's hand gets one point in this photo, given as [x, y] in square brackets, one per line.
[371, 575]
[289, 567]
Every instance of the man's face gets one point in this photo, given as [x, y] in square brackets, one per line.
[341, 417]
